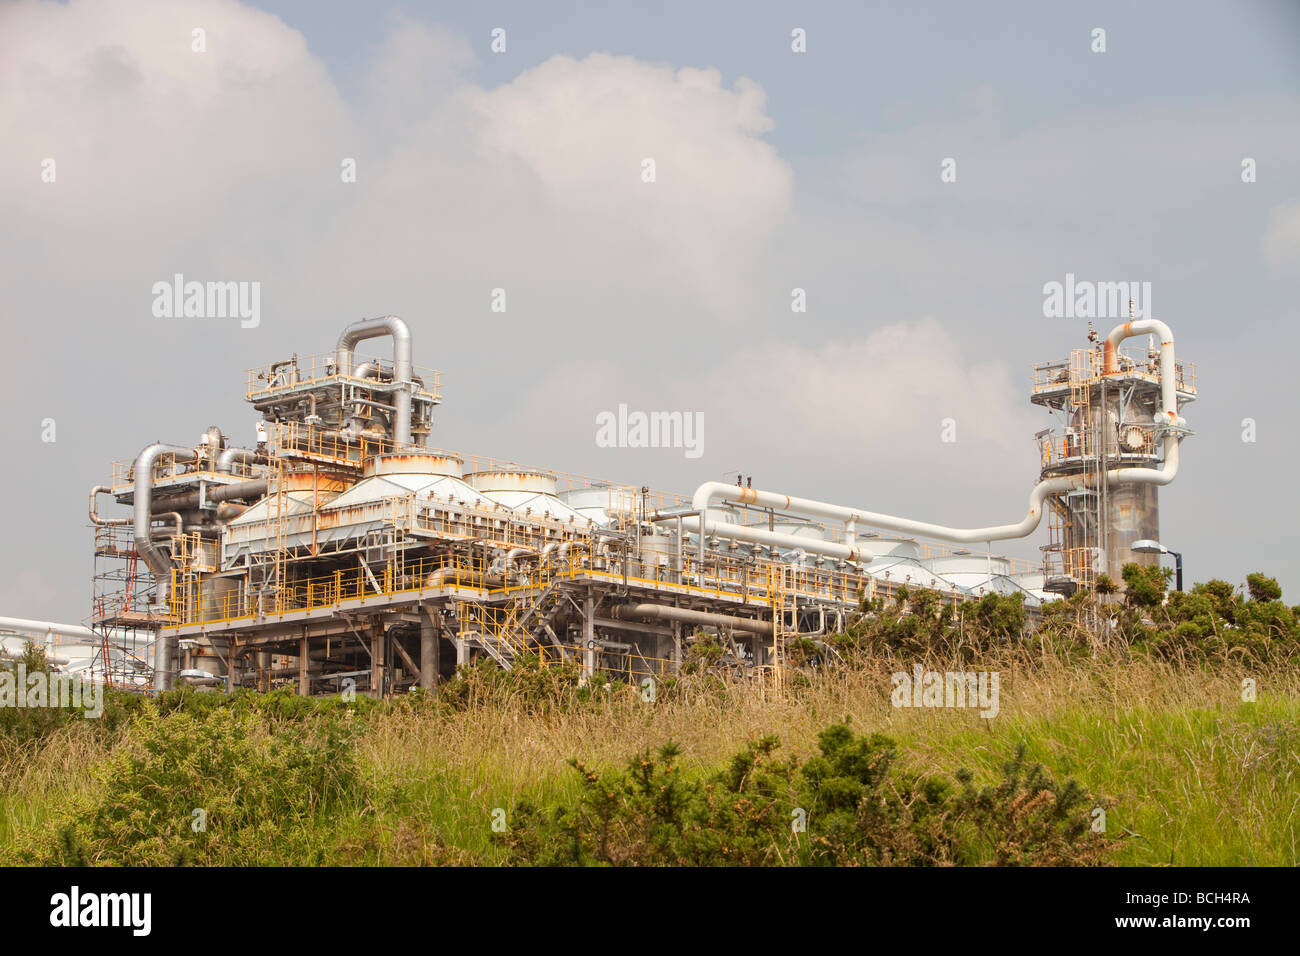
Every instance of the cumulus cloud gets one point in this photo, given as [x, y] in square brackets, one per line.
[865, 421]
[150, 138]
[666, 295]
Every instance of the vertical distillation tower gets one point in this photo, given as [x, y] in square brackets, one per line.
[1107, 421]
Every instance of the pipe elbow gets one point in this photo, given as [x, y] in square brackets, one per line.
[706, 492]
[364, 329]
[226, 458]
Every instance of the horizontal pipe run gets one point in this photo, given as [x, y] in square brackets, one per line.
[661, 612]
[47, 628]
[216, 494]
[777, 539]
[712, 491]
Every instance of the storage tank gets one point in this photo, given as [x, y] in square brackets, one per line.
[406, 463]
[527, 493]
[594, 504]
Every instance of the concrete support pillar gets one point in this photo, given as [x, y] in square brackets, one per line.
[429, 654]
[588, 638]
[377, 662]
[304, 668]
[162, 662]
[264, 671]
[232, 677]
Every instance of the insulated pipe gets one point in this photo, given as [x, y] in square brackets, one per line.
[144, 462]
[712, 491]
[775, 539]
[513, 554]
[245, 456]
[48, 628]
[218, 493]
[95, 519]
[687, 616]
[401, 333]
[372, 370]
[169, 516]
[452, 576]
[1168, 368]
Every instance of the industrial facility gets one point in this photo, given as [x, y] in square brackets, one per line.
[344, 551]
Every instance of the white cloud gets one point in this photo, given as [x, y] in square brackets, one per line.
[667, 296]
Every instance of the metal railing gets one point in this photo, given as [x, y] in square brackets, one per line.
[167, 470]
[1133, 360]
[298, 371]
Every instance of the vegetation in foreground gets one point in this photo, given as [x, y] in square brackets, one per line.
[1130, 732]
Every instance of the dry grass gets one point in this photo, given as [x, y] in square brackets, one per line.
[1172, 752]
[1187, 771]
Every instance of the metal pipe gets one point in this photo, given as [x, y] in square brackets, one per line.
[372, 404]
[245, 456]
[218, 493]
[169, 516]
[401, 333]
[513, 554]
[159, 564]
[48, 628]
[711, 491]
[1168, 367]
[775, 539]
[95, 519]
[687, 616]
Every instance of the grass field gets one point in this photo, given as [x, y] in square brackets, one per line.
[1187, 772]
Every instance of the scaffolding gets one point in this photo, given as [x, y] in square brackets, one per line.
[124, 620]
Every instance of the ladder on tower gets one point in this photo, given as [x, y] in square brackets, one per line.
[274, 556]
[781, 597]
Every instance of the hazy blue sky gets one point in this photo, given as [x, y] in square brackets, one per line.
[775, 170]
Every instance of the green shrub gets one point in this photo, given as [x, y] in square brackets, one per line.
[262, 786]
[848, 806]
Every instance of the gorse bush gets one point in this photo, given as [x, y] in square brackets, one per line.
[212, 784]
[918, 622]
[850, 805]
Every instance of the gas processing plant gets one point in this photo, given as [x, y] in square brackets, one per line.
[342, 550]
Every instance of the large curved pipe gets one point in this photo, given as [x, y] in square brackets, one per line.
[245, 456]
[95, 519]
[712, 491]
[144, 462]
[401, 333]
[513, 555]
[1168, 367]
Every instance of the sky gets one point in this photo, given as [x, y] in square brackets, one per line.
[130, 155]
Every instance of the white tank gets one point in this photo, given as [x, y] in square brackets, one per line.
[969, 570]
[890, 547]
[594, 504]
[405, 463]
[528, 493]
